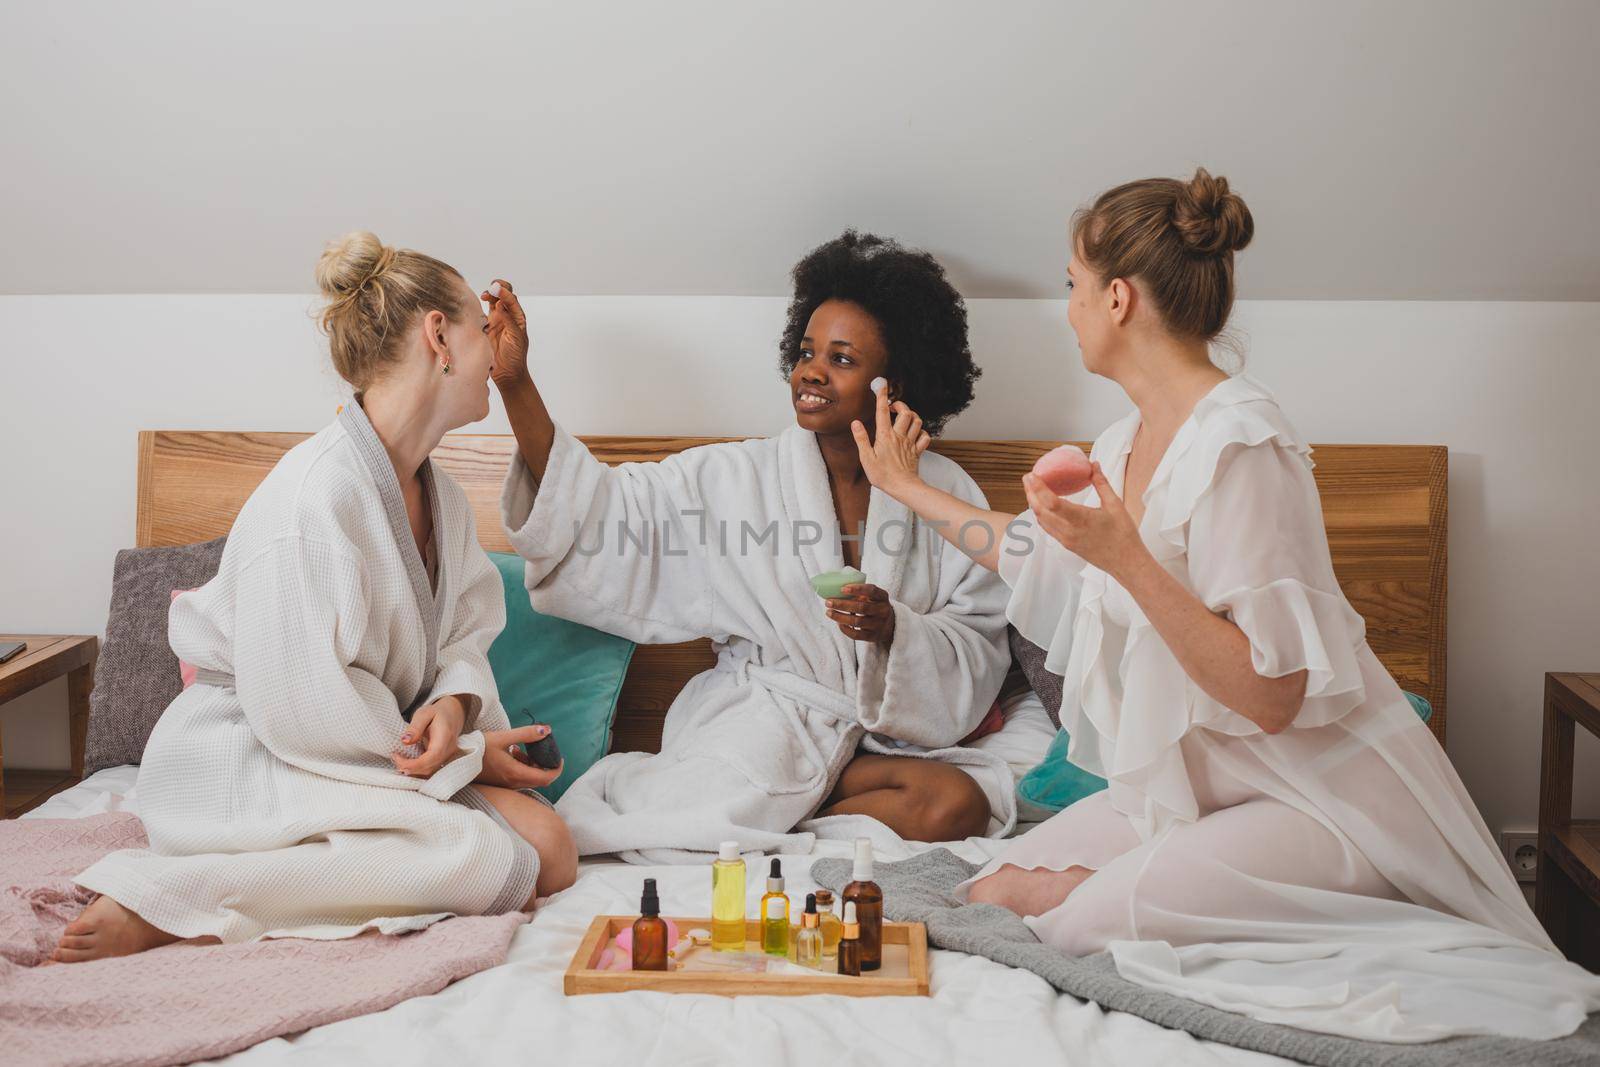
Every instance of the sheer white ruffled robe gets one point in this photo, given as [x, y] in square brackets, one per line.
[1335, 876]
[267, 788]
[721, 541]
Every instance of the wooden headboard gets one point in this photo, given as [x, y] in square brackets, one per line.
[1384, 506]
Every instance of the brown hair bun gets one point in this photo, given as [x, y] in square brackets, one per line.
[1177, 239]
[1211, 220]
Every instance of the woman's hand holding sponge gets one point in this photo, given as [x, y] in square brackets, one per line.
[1064, 470]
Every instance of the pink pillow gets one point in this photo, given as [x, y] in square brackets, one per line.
[186, 671]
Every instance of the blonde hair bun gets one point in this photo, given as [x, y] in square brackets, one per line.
[374, 294]
[351, 261]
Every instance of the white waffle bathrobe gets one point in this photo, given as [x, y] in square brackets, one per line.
[267, 788]
[721, 541]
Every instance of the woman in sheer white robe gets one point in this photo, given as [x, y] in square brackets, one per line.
[1281, 835]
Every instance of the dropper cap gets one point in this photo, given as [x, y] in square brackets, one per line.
[775, 878]
[852, 928]
[810, 916]
[728, 851]
[863, 867]
[650, 904]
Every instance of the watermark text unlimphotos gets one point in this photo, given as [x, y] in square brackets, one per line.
[692, 529]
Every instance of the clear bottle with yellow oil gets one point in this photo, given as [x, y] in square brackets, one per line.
[775, 915]
[828, 922]
[727, 899]
[808, 939]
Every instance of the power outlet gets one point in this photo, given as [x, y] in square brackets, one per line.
[1522, 853]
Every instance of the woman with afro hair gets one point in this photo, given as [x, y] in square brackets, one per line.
[821, 709]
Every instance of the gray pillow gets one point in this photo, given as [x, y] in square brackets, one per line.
[1030, 657]
[137, 674]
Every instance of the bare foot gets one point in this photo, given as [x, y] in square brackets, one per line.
[107, 929]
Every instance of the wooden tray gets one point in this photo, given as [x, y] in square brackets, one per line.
[904, 972]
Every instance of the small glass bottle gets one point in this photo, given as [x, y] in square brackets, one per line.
[828, 922]
[727, 900]
[808, 942]
[775, 915]
[850, 941]
[650, 932]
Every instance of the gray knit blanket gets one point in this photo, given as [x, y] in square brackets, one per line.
[919, 890]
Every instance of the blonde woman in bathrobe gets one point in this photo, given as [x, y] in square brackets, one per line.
[836, 712]
[343, 761]
[1281, 835]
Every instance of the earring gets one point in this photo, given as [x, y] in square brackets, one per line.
[447, 366]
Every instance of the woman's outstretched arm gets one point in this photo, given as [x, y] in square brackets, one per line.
[890, 459]
[530, 419]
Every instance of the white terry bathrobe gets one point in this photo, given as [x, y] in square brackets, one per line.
[721, 541]
[267, 788]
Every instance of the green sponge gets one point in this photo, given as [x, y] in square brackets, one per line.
[831, 584]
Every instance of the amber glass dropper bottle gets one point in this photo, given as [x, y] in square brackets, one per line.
[850, 942]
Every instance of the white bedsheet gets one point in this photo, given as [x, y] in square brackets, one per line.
[979, 1011]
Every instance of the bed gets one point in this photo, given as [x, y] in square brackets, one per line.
[1384, 508]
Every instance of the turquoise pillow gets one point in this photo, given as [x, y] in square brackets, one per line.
[1055, 784]
[1421, 706]
[563, 674]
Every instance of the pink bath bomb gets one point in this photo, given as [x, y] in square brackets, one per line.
[1064, 470]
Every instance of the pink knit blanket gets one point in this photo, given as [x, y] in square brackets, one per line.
[188, 1002]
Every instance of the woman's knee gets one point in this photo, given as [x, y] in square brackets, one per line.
[952, 807]
[538, 824]
[558, 854]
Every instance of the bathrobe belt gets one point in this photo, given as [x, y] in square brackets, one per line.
[813, 696]
[225, 680]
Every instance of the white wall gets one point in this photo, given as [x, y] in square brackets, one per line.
[1432, 149]
[1509, 387]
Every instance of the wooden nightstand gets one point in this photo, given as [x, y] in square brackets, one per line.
[1567, 898]
[47, 658]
